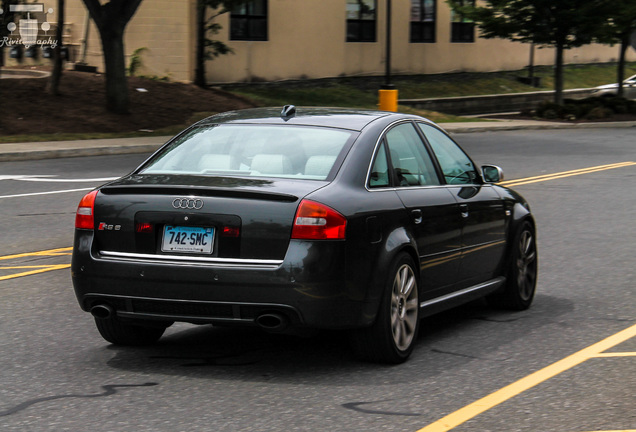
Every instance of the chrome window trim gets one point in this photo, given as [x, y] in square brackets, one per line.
[390, 188]
[203, 261]
[414, 122]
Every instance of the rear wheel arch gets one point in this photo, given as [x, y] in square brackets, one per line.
[397, 242]
[393, 333]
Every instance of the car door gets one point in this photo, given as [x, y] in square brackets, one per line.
[434, 217]
[481, 207]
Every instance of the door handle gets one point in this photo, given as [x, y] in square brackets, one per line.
[463, 208]
[417, 216]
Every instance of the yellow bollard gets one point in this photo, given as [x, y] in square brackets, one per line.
[388, 100]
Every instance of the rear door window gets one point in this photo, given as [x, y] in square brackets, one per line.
[412, 165]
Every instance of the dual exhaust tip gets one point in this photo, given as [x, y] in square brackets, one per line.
[270, 321]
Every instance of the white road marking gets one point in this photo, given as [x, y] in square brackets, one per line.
[48, 178]
[45, 193]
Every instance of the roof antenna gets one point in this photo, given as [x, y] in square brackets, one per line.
[288, 111]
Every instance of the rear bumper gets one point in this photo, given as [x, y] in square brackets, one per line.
[309, 287]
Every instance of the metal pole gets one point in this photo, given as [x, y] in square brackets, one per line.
[387, 73]
[388, 95]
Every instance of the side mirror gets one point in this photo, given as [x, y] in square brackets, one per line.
[492, 174]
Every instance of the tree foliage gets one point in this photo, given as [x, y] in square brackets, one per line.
[618, 28]
[562, 24]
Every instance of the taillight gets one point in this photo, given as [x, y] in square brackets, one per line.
[84, 215]
[315, 221]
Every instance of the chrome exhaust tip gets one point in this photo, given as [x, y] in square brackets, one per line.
[102, 311]
[272, 322]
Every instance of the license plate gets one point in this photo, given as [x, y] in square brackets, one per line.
[187, 239]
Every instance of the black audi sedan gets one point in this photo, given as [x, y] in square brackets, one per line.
[305, 218]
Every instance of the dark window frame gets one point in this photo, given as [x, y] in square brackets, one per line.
[462, 29]
[249, 26]
[363, 29]
[423, 31]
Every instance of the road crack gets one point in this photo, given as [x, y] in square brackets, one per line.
[109, 389]
[355, 406]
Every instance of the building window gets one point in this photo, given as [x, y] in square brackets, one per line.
[462, 28]
[361, 17]
[248, 21]
[423, 20]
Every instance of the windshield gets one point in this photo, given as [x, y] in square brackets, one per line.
[253, 150]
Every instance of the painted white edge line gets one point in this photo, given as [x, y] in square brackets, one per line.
[45, 193]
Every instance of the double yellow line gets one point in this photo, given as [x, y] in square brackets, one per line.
[564, 174]
[35, 269]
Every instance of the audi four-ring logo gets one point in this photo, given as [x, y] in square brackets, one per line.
[188, 203]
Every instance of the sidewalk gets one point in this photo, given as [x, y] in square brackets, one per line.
[115, 146]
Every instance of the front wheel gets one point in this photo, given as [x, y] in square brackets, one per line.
[521, 277]
[392, 336]
[117, 332]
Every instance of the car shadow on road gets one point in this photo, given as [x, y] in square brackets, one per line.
[473, 331]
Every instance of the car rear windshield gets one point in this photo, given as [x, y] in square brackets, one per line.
[253, 150]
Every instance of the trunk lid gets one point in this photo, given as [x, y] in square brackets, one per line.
[199, 216]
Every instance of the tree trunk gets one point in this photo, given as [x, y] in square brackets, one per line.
[111, 19]
[558, 75]
[54, 83]
[199, 72]
[621, 64]
[117, 99]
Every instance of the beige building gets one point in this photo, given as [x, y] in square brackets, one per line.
[298, 39]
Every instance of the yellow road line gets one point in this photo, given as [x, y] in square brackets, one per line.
[50, 252]
[32, 272]
[502, 395]
[25, 267]
[617, 354]
[564, 174]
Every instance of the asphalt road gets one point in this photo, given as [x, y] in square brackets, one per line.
[57, 373]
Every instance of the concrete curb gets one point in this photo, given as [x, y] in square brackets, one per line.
[66, 149]
[119, 146]
[23, 73]
[75, 152]
[530, 125]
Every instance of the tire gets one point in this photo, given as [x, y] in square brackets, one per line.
[394, 332]
[521, 274]
[117, 332]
